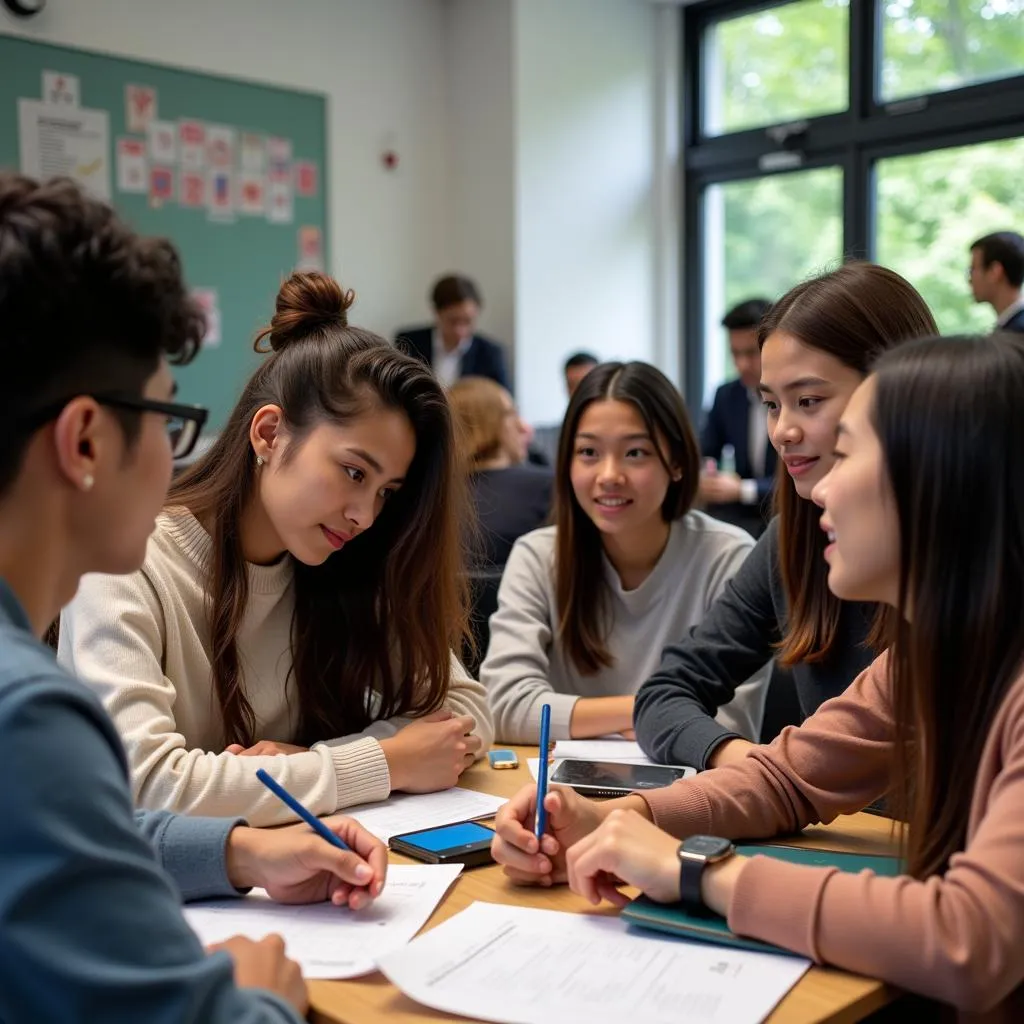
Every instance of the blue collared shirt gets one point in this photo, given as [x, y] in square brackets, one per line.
[91, 927]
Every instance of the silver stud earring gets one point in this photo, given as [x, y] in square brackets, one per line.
[87, 482]
[260, 460]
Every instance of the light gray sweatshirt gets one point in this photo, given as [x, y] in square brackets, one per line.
[527, 667]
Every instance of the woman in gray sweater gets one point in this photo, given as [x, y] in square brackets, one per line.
[586, 606]
[817, 344]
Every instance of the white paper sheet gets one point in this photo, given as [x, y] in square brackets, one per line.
[408, 812]
[525, 966]
[63, 141]
[601, 750]
[329, 941]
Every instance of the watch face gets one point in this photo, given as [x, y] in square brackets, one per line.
[706, 846]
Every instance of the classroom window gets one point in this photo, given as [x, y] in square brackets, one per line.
[776, 65]
[931, 206]
[815, 130]
[761, 235]
[937, 45]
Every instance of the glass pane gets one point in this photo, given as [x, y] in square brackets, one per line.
[762, 236]
[931, 206]
[774, 66]
[934, 45]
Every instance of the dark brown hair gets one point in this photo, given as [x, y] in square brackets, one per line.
[86, 305]
[853, 313]
[453, 289]
[1007, 249]
[949, 417]
[381, 615]
[580, 586]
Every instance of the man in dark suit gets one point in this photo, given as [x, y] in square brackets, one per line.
[739, 493]
[996, 276]
[452, 346]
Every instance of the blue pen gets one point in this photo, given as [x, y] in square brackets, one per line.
[541, 820]
[310, 819]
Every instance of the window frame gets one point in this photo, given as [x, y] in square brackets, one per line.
[853, 140]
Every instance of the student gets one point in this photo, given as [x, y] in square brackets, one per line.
[736, 419]
[300, 596]
[937, 721]
[817, 343]
[90, 922]
[511, 496]
[585, 606]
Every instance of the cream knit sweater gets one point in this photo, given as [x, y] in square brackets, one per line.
[142, 642]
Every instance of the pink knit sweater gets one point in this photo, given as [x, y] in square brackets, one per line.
[958, 937]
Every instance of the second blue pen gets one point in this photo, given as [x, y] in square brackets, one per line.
[540, 822]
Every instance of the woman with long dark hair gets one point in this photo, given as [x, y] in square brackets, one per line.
[817, 343]
[586, 605]
[923, 513]
[302, 592]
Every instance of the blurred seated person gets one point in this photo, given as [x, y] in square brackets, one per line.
[544, 448]
[511, 496]
[739, 493]
[451, 345]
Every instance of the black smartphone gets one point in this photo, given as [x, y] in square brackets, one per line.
[467, 843]
[613, 778]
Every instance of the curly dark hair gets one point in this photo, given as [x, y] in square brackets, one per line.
[85, 304]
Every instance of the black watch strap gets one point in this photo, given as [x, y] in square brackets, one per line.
[691, 871]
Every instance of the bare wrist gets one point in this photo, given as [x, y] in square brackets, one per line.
[718, 883]
[241, 858]
[393, 757]
[729, 752]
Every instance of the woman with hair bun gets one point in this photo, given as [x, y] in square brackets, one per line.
[301, 594]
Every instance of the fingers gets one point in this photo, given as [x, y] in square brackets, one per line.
[512, 817]
[473, 744]
[527, 878]
[234, 748]
[467, 723]
[372, 852]
[607, 890]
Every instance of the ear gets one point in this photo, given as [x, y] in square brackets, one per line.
[265, 430]
[81, 446]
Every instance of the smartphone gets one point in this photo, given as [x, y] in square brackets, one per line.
[613, 778]
[467, 843]
[502, 759]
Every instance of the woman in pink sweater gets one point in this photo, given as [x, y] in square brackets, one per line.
[925, 512]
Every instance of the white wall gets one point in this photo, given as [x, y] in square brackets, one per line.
[383, 66]
[481, 155]
[586, 268]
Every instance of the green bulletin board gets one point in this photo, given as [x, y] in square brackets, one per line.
[247, 192]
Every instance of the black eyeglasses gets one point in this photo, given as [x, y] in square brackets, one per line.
[184, 422]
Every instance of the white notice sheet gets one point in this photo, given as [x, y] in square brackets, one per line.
[523, 966]
[407, 812]
[329, 941]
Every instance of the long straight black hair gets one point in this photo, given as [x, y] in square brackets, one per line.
[949, 414]
[581, 590]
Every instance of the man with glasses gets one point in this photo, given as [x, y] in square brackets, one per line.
[996, 275]
[90, 922]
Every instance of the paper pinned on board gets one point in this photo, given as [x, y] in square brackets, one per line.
[524, 966]
[329, 941]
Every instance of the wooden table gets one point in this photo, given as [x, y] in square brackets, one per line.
[822, 995]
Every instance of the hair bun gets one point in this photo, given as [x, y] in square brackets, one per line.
[308, 302]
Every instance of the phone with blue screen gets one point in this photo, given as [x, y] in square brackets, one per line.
[468, 843]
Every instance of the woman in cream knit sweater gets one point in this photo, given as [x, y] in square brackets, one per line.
[270, 626]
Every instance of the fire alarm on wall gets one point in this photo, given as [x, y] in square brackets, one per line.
[24, 8]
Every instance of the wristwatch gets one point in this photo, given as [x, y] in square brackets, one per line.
[695, 854]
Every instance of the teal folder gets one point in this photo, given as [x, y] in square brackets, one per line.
[675, 920]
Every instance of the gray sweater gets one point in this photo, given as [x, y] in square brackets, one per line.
[674, 709]
[526, 666]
